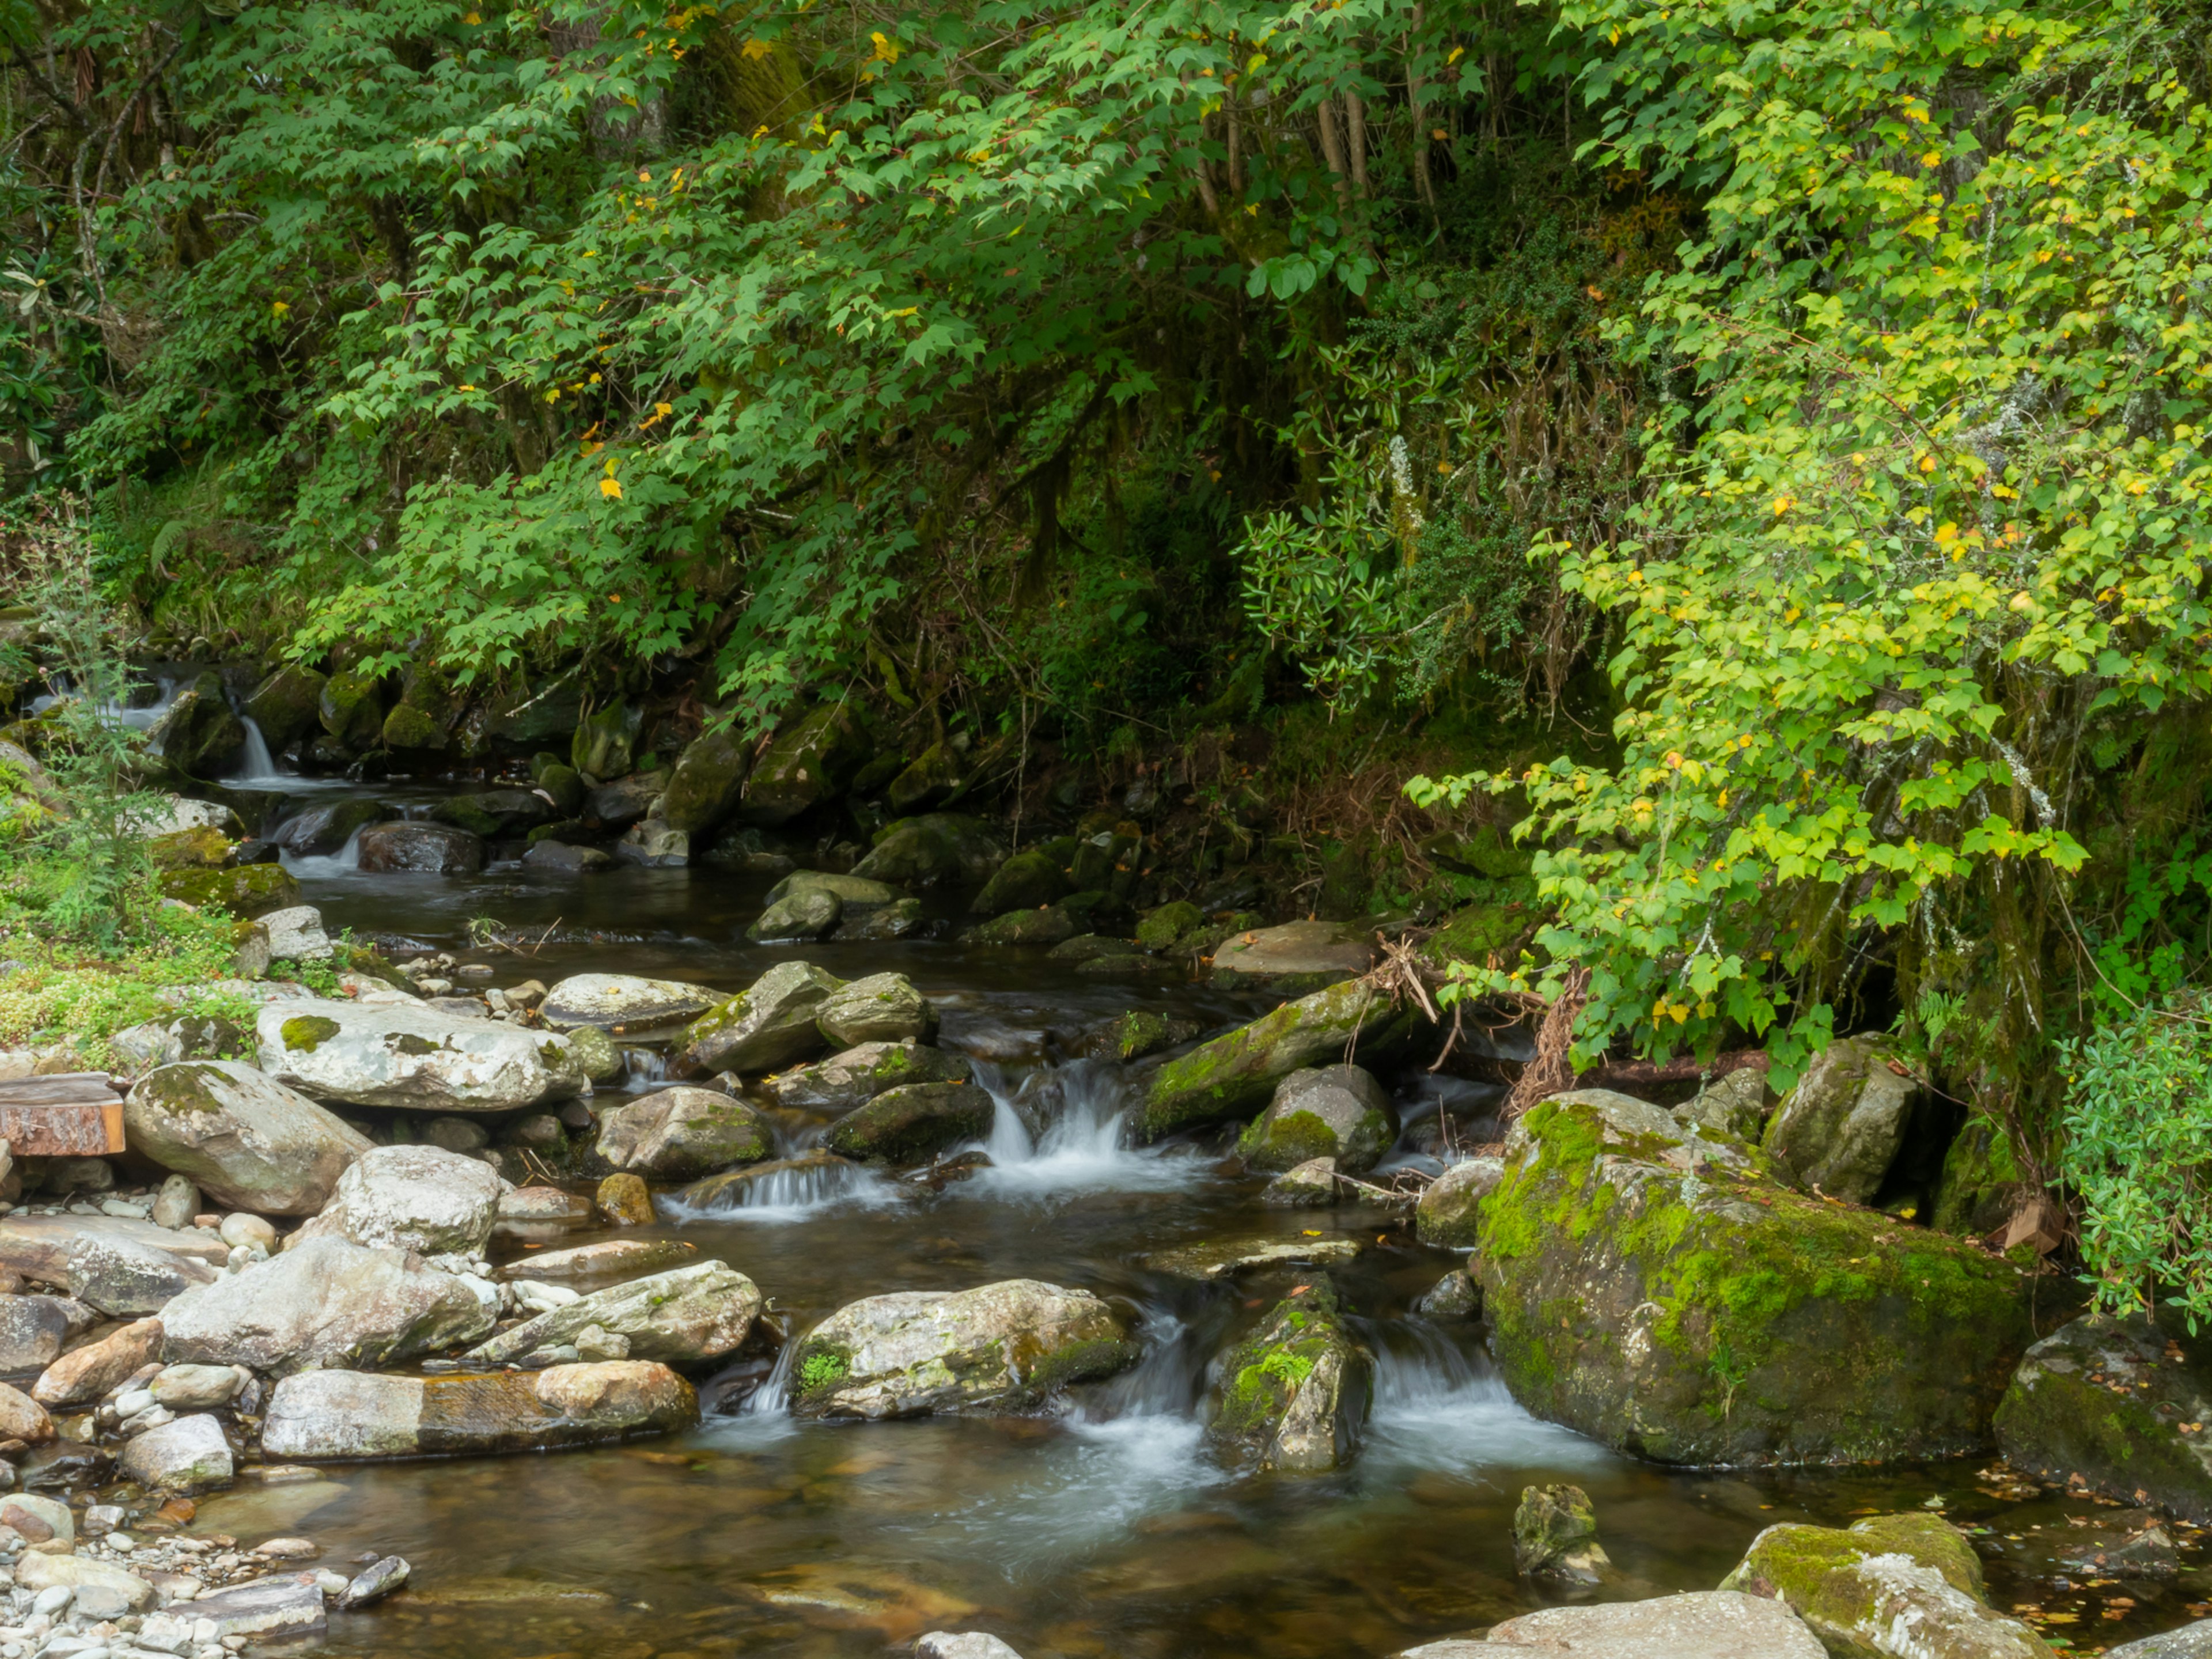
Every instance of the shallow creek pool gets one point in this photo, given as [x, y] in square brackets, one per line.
[1105, 1530]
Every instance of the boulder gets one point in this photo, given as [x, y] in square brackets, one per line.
[804, 914]
[186, 1455]
[22, 1417]
[294, 935]
[893, 921]
[680, 1317]
[706, 783]
[1329, 1111]
[652, 843]
[1027, 881]
[284, 705]
[1307, 1186]
[33, 1329]
[112, 1263]
[351, 710]
[494, 814]
[643, 1010]
[764, 1027]
[853, 1079]
[163, 815]
[244, 1139]
[404, 1056]
[1984, 1182]
[323, 829]
[198, 1387]
[1233, 1076]
[610, 1258]
[1555, 1538]
[1723, 1317]
[2190, 1642]
[855, 893]
[192, 849]
[2116, 1407]
[1225, 1258]
[1902, 1586]
[1294, 1393]
[931, 778]
[1702, 1625]
[422, 1198]
[1298, 956]
[38, 1570]
[1450, 1210]
[1837, 1131]
[431, 849]
[329, 1302]
[625, 801]
[1162, 927]
[1456, 1296]
[605, 743]
[350, 1415]
[411, 726]
[809, 760]
[881, 1008]
[286, 1604]
[682, 1133]
[1733, 1103]
[1002, 1347]
[912, 1123]
[571, 861]
[247, 891]
[1051, 925]
[197, 734]
[595, 1054]
[85, 1375]
[936, 849]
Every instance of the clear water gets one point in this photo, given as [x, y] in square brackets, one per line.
[1105, 1530]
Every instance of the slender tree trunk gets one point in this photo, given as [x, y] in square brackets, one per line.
[1355, 125]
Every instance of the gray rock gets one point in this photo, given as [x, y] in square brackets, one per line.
[1702, 1625]
[97, 1585]
[248, 1141]
[944, 1644]
[112, 1263]
[655, 845]
[433, 849]
[1839, 1130]
[294, 935]
[1555, 1538]
[880, 1008]
[189, 1455]
[1329, 1111]
[809, 914]
[626, 800]
[1297, 1388]
[352, 1415]
[1000, 1347]
[32, 1331]
[609, 1258]
[177, 1203]
[853, 1079]
[422, 1198]
[2190, 1642]
[456, 1134]
[912, 1123]
[1307, 1186]
[1303, 955]
[198, 1387]
[571, 861]
[402, 1055]
[1226, 1258]
[1450, 1210]
[936, 849]
[856, 894]
[1456, 1296]
[328, 1302]
[595, 1054]
[766, 1026]
[1734, 1103]
[278, 1605]
[893, 921]
[681, 1317]
[682, 1133]
[374, 1583]
[324, 829]
[624, 1004]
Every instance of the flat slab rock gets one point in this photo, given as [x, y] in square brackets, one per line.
[1703, 1625]
[625, 1003]
[115, 1264]
[1225, 1258]
[407, 1056]
[358, 1414]
[1332, 950]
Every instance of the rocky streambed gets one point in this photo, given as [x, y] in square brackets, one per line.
[659, 1261]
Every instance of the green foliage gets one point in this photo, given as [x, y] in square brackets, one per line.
[1925, 527]
[2137, 1115]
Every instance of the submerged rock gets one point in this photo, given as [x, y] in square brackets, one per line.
[1904, 1586]
[935, 849]
[1000, 1347]
[1723, 1317]
[1330, 1111]
[1837, 1131]
[404, 1056]
[643, 1010]
[1450, 1210]
[853, 1079]
[682, 1316]
[2118, 1406]
[1235, 1075]
[422, 1198]
[1294, 1393]
[682, 1133]
[1225, 1258]
[1702, 1625]
[430, 849]
[347, 1415]
[912, 1123]
[764, 1027]
[328, 1302]
[245, 1139]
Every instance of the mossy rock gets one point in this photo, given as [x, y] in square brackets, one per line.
[1982, 1182]
[935, 777]
[1164, 928]
[408, 727]
[935, 849]
[197, 734]
[1139, 1032]
[1295, 1392]
[351, 710]
[1337, 1112]
[250, 890]
[706, 784]
[1050, 925]
[809, 760]
[1027, 881]
[1481, 934]
[203, 847]
[1487, 852]
[912, 1123]
[604, 740]
[284, 705]
[1668, 1294]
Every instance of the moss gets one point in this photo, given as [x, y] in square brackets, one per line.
[1161, 928]
[822, 1368]
[181, 1089]
[202, 847]
[1079, 1362]
[305, 1033]
[408, 1043]
[1262, 1374]
[252, 890]
[1286, 1142]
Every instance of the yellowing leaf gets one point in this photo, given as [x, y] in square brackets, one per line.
[757, 48]
[612, 488]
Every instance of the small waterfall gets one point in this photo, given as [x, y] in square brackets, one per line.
[644, 1069]
[255, 763]
[773, 1397]
[1438, 1405]
[797, 1189]
[1081, 1145]
[314, 866]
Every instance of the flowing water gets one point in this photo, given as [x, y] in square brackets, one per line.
[1104, 1529]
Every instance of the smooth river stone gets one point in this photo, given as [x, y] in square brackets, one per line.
[412, 1058]
[246, 1140]
[359, 1414]
[610, 1258]
[636, 1008]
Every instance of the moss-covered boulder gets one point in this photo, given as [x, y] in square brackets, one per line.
[802, 915]
[564, 785]
[351, 710]
[494, 813]
[2122, 1406]
[1481, 935]
[1295, 1392]
[1555, 1537]
[197, 734]
[706, 783]
[880, 1008]
[408, 727]
[605, 740]
[202, 847]
[284, 705]
[1027, 881]
[1893, 1586]
[1164, 927]
[1234, 1075]
[250, 890]
[857, 1076]
[912, 1123]
[936, 776]
[1139, 1032]
[1837, 1131]
[810, 760]
[1982, 1182]
[1050, 925]
[1338, 1112]
[682, 1133]
[766, 1026]
[997, 1348]
[893, 921]
[1449, 1212]
[1662, 1291]
[937, 849]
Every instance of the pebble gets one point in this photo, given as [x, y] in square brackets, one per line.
[288, 1549]
[125, 1207]
[241, 1228]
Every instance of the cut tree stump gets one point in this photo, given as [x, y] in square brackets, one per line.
[75, 1114]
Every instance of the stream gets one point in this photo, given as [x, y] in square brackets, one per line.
[1105, 1530]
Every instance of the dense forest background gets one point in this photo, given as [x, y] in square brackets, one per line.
[1756, 449]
